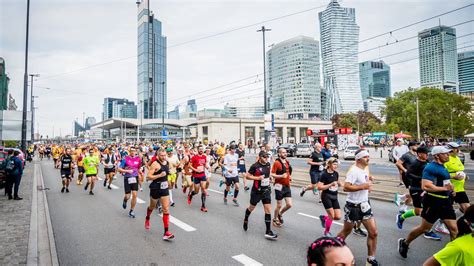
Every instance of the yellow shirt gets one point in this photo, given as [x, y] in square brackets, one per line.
[459, 252]
[221, 151]
[453, 166]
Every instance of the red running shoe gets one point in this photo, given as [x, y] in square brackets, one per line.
[168, 236]
[203, 209]
[147, 224]
[189, 199]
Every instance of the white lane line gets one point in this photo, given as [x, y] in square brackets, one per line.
[317, 218]
[246, 260]
[215, 191]
[140, 200]
[186, 227]
[114, 186]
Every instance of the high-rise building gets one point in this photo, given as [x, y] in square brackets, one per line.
[294, 85]
[4, 80]
[117, 108]
[466, 73]
[244, 109]
[151, 77]
[339, 53]
[174, 114]
[190, 111]
[438, 58]
[374, 79]
[89, 122]
[375, 106]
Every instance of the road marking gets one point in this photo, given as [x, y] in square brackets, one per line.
[186, 227]
[246, 260]
[317, 218]
[140, 200]
[114, 186]
[215, 191]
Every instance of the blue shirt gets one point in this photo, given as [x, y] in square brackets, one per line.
[326, 153]
[436, 173]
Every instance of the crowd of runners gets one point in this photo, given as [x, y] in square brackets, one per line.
[432, 187]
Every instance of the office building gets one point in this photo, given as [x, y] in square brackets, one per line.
[174, 114]
[151, 77]
[339, 53]
[4, 80]
[210, 113]
[89, 122]
[294, 85]
[374, 79]
[117, 108]
[375, 106]
[190, 110]
[244, 109]
[438, 58]
[466, 73]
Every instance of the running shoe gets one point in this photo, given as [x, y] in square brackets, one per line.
[359, 232]
[67, 190]
[271, 235]
[396, 199]
[280, 218]
[402, 247]
[172, 204]
[431, 235]
[184, 189]
[147, 224]
[168, 236]
[105, 182]
[246, 188]
[221, 182]
[225, 201]
[87, 185]
[327, 234]
[62, 189]
[322, 219]
[189, 199]
[110, 188]
[160, 209]
[315, 191]
[400, 221]
[441, 228]
[372, 262]
[91, 193]
[131, 214]
[236, 203]
[246, 225]
[303, 190]
[276, 223]
[124, 205]
[203, 209]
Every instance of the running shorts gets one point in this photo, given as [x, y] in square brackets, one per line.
[315, 176]
[263, 195]
[330, 201]
[130, 184]
[461, 197]
[231, 180]
[159, 189]
[282, 192]
[66, 174]
[198, 180]
[81, 169]
[437, 208]
[353, 212]
[416, 198]
[109, 170]
[172, 178]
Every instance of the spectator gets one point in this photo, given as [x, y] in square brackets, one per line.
[399, 150]
[14, 171]
[329, 251]
[460, 251]
[326, 151]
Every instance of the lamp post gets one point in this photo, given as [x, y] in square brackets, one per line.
[263, 30]
[25, 81]
[32, 107]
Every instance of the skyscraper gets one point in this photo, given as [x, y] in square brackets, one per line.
[374, 79]
[151, 64]
[466, 73]
[339, 53]
[294, 85]
[438, 58]
[4, 80]
[113, 108]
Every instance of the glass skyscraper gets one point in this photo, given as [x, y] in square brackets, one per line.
[339, 53]
[151, 64]
[374, 79]
[466, 73]
[4, 80]
[294, 86]
[438, 58]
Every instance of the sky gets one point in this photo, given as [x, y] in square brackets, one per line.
[86, 50]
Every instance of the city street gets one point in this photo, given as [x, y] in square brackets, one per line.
[95, 230]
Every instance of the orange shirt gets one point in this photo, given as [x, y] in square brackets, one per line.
[277, 167]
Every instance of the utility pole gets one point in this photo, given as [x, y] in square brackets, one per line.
[418, 120]
[163, 110]
[25, 81]
[33, 108]
[263, 30]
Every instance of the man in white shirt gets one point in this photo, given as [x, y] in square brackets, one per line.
[398, 151]
[231, 174]
[358, 184]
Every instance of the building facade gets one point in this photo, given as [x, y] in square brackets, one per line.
[375, 106]
[175, 113]
[339, 53]
[4, 80]
[89, 122]
[239, 109]
[293, 79]
[190, 110]
[115, 107]
[438, 58]
[152, 82]
[466, 73]
[374, 79]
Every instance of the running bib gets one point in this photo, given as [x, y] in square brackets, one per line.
[365, 206]
[321, 168]
[265, 182]
[333, 188]
[278, 187]
[164, 185]
[241, 162]
[132, 180]
[200, 168]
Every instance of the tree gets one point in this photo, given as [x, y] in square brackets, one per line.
[438, 111]
[364, 121]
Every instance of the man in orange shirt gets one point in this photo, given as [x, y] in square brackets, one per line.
[281, 172]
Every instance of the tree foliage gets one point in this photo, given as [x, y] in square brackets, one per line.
[438, 111]
[364, 121]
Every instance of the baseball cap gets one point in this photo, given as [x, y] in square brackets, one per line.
[169, 149]
[412, 143]
[452, 145]
[422, 149]
[439, 150]
[263, 154]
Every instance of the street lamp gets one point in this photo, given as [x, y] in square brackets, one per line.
[25, 81]
[33, 108]
[263, 30]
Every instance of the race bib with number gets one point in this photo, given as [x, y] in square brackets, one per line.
[132, 180]
[265, 182]
[164, 185]
[278, 187]
[241, 162]
[321, 168]
[365, 206]
[333, 188]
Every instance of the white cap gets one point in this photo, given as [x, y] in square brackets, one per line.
[452, 145]
[439, 150]
[361, 154]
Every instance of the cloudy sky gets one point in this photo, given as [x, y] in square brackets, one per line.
[86, 50]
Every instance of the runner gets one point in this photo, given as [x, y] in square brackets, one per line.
[329, 184]
[173, 163]
[231, 174]
[241, 166]
[56, 154]
[403, 164]
[458, 177]
[187, 182]
[281, 172]
[357, 209]
[80, 165]
[209, 162]
[197, 165]
[91, 166]
[437, 202]
[66, 163]
[398, 152]
[316, 161]
[158, 174]
[109, 161]
[130, 168]
[259, 172]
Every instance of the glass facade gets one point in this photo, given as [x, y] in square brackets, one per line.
[438, 58]
[114, 108]
[339, 53]
[293, 79]
[151, 64]
[3, 86]
[466, 72]
[374, 79]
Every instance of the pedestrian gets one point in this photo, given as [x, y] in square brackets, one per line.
[14, 172]
[329, 251]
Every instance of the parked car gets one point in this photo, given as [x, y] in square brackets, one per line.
[349, 152]
[290, 149]
[303, 150]
[390, 155]
[3, 176]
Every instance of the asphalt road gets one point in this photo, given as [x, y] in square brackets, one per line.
[95, 230]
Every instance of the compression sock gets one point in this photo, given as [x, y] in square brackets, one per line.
[203, 199]
[166, 221]
[408, 214]
[268, 219]
[225, 193]
[148, 213]
[328, 224]
[247, 214]
[236, 192]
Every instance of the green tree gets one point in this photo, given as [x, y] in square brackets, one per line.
[364, 121]
[441, 113]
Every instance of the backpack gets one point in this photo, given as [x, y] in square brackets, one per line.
[283, 167]
[10, 166]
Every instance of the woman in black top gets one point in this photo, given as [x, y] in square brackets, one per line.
[329, 184]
